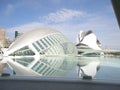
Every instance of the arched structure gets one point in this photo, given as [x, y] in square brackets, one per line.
[42, 41]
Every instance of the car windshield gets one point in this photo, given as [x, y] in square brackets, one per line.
[73, 39]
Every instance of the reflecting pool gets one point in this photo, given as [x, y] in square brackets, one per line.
[67, 67]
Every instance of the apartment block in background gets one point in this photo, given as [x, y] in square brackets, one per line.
[2, 38]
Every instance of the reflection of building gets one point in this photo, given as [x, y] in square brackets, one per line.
[89, 70]
[41, 42]
[2, 38]
[88, 67]
[46, 66]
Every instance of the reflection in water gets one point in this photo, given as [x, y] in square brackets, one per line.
[88, 67]
[88, 70]
[53, 66]
[56, 66]
[46, 66]
[68, 66]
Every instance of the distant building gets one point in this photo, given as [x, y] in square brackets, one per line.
[88, 44]
[17, 34]
[2, 38]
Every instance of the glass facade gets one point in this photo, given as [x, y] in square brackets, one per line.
[55, 44]
[52, 66]
[48, 44]
[25, 51]
[25, 61]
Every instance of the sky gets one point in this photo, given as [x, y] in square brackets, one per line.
[66, 16]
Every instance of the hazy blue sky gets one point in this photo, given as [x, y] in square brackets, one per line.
[67, 16]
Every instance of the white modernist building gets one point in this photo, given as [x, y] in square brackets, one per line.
[42, 41]
[26, 52]
[87, 43]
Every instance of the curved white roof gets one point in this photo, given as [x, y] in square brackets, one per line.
[30, 37]
[91, 41]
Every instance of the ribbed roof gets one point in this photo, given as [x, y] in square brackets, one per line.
[30, 37]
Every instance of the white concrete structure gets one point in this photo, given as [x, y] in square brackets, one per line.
[87, 42]
[89, 38]
[26, 52]
[42, 41]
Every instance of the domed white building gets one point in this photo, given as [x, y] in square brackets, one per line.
[26, 52]
[42, 41]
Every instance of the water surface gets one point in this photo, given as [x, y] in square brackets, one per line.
[107, 68]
